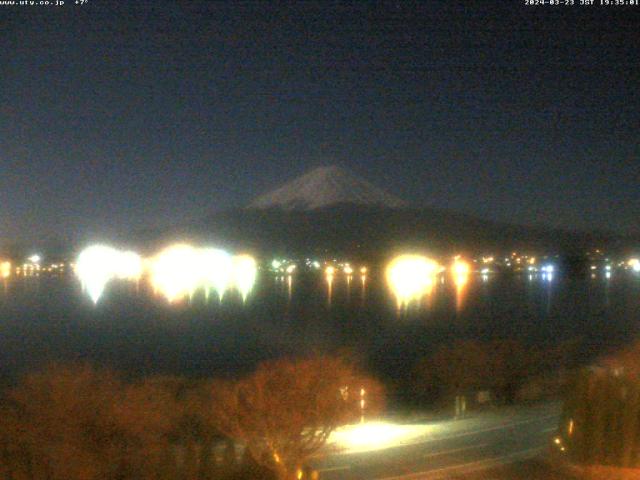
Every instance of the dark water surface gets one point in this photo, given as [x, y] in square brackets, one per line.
[49, 319]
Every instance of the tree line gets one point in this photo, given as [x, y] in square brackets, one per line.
[76, 422]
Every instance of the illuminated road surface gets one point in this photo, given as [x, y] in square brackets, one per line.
[452, 448]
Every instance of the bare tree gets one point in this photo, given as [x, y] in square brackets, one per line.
[285, 411]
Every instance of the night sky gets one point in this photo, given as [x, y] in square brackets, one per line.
[120, 115]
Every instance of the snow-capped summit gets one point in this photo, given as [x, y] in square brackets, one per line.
[323, 187]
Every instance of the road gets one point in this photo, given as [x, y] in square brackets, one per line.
[441, 450]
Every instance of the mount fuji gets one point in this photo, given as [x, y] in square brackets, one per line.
[331, 210]
[324, 187]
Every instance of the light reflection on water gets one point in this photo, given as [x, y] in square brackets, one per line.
[456, 292]
[455, 289]
[49, 318]
[329, 276]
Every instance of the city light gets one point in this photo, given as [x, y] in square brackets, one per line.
[216, 270]
[5, 270]
[128, 266]
[99, 264]
[244, 274]
[179, 270]
[176, 271]
[460, 271]
[634, 263]
[410, 277]
[329, 273]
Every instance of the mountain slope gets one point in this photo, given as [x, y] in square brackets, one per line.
[331, 210]
[324, 187]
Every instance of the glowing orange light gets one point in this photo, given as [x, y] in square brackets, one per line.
[329, 272]
[410, 277]
[460, 270]
[5, 269]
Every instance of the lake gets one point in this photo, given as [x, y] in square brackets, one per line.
[50, 319]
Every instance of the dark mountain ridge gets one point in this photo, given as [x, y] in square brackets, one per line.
[374, 230]
[330, 210]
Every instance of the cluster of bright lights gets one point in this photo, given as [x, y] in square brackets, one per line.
[518, 262]
[634, 264]
[346, 268]
[180, 270]
[291, 268]
[282, 266]
[312, 264]
[99, 264]
[411, 277]
[176, 272]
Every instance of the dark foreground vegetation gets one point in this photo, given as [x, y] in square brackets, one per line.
[507, 370]
[76, 422]
[601, 418]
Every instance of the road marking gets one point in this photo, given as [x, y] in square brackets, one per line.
[469, 467]
[491, 429]
[334, 469]
[549, 430]
[455, 450]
